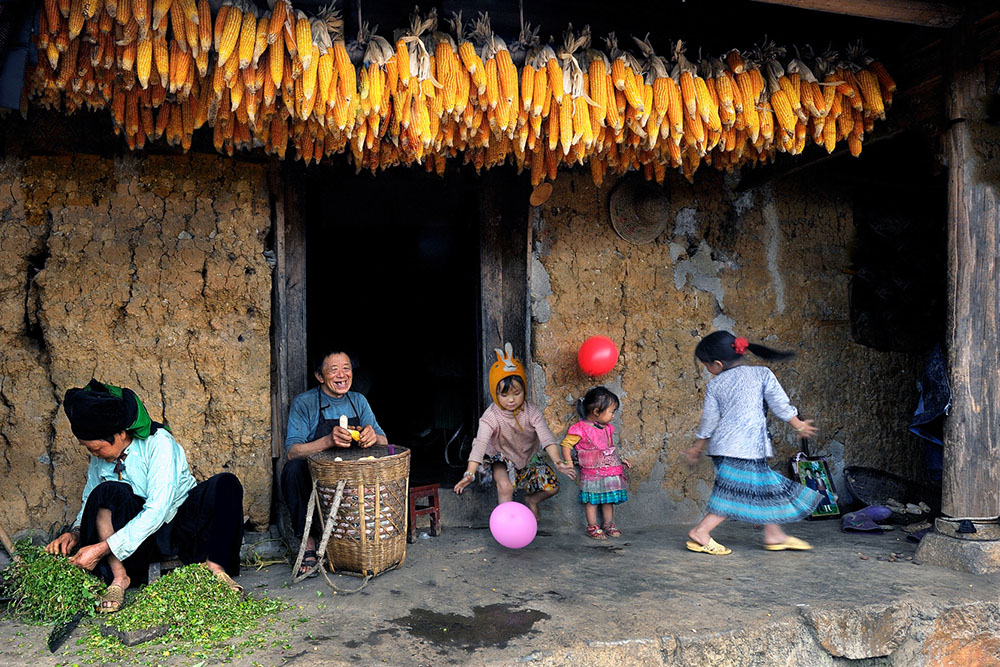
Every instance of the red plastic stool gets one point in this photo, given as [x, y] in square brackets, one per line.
[424, 501]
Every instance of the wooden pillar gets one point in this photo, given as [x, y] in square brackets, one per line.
[289, 366]
[504, 222]
[971, 476]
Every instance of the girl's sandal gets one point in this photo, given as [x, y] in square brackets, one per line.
[611, 530]
[596, 532]
[712, 548]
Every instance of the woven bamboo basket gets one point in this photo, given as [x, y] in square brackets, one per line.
[368, 536]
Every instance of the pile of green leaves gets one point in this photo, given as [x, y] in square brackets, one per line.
[196, 605]
[47, 589]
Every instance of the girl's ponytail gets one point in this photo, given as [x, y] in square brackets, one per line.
[580, 410]
[765, 352]
[727, 348]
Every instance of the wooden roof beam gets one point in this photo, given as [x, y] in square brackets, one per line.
[916, 12]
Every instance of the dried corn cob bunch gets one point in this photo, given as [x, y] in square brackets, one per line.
[164, 68]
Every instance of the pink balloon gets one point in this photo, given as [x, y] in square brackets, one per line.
[597, 355]
[513, 525]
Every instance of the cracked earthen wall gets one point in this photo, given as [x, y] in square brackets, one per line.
[143, 272]
[768, 264]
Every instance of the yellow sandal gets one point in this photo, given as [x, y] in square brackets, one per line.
[712, 548]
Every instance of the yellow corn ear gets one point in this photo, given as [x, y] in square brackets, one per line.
[566, 124]
[555, 75]
[76, 19]
[540, 94]
[735, 61]
[527, 86]
[161, 9]
[688, 93]
[230, 35]
[871, 92]
[346, 75]
[783, 110]
[161, 56]
[204, 26]
[303, 38]
[220, 26]
[144, 60]
[279, 15]
[248, 37]
[260, 40]
[492, 84]
[506, 74]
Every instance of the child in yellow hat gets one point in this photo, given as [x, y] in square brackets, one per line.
[512, 433]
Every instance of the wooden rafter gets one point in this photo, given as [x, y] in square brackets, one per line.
[917, 12]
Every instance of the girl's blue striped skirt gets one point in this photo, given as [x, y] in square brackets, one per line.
[748, 490]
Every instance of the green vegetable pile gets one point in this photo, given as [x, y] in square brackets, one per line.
[197, 607]
[46, 589]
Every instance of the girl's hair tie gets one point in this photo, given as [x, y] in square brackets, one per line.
[741, 345]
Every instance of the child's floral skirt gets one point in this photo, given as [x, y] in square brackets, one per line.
[748, 490]
[536, 476]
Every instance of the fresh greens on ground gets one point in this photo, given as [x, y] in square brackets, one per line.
[197, 607]
[46, 589]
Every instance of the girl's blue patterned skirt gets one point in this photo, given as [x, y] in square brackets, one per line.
[748, 490]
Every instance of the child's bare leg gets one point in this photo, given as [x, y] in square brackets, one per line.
[773, 534]
[608, 513]
[537, 497]
[702, 533]
[591, 511]
[505, 490]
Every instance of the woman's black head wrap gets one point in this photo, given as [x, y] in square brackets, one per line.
[98, 411]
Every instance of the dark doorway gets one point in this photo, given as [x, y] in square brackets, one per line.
[393, 278]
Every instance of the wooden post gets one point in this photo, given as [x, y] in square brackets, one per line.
[503, 221]
[971, 476]
[290, 364]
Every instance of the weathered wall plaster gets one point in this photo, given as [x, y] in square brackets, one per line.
[143, 272]
[767, 264]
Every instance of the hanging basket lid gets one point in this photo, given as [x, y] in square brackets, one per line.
[540, 194]
[639, 210]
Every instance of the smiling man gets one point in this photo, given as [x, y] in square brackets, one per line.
[140, 502]
[314, 426]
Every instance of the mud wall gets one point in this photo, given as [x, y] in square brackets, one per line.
[143, 272]
[769, 264]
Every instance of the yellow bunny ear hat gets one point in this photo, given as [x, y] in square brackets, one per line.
[506, 366]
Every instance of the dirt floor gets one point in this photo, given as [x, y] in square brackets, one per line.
[640, 599]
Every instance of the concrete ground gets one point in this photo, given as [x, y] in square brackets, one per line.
[639, 599]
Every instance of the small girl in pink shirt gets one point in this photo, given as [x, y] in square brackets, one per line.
[602, 468]
[511, 434]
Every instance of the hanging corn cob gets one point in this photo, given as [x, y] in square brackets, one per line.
[283, 77]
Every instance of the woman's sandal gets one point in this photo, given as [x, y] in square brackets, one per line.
[112, 600]
[309, 561]
[611, 530]
[713, 548]
[230, 584]
[596, 532]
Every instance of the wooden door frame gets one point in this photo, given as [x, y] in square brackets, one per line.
[504, 272]
[289, 353]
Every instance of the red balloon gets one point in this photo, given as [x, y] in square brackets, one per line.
[597, 355]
